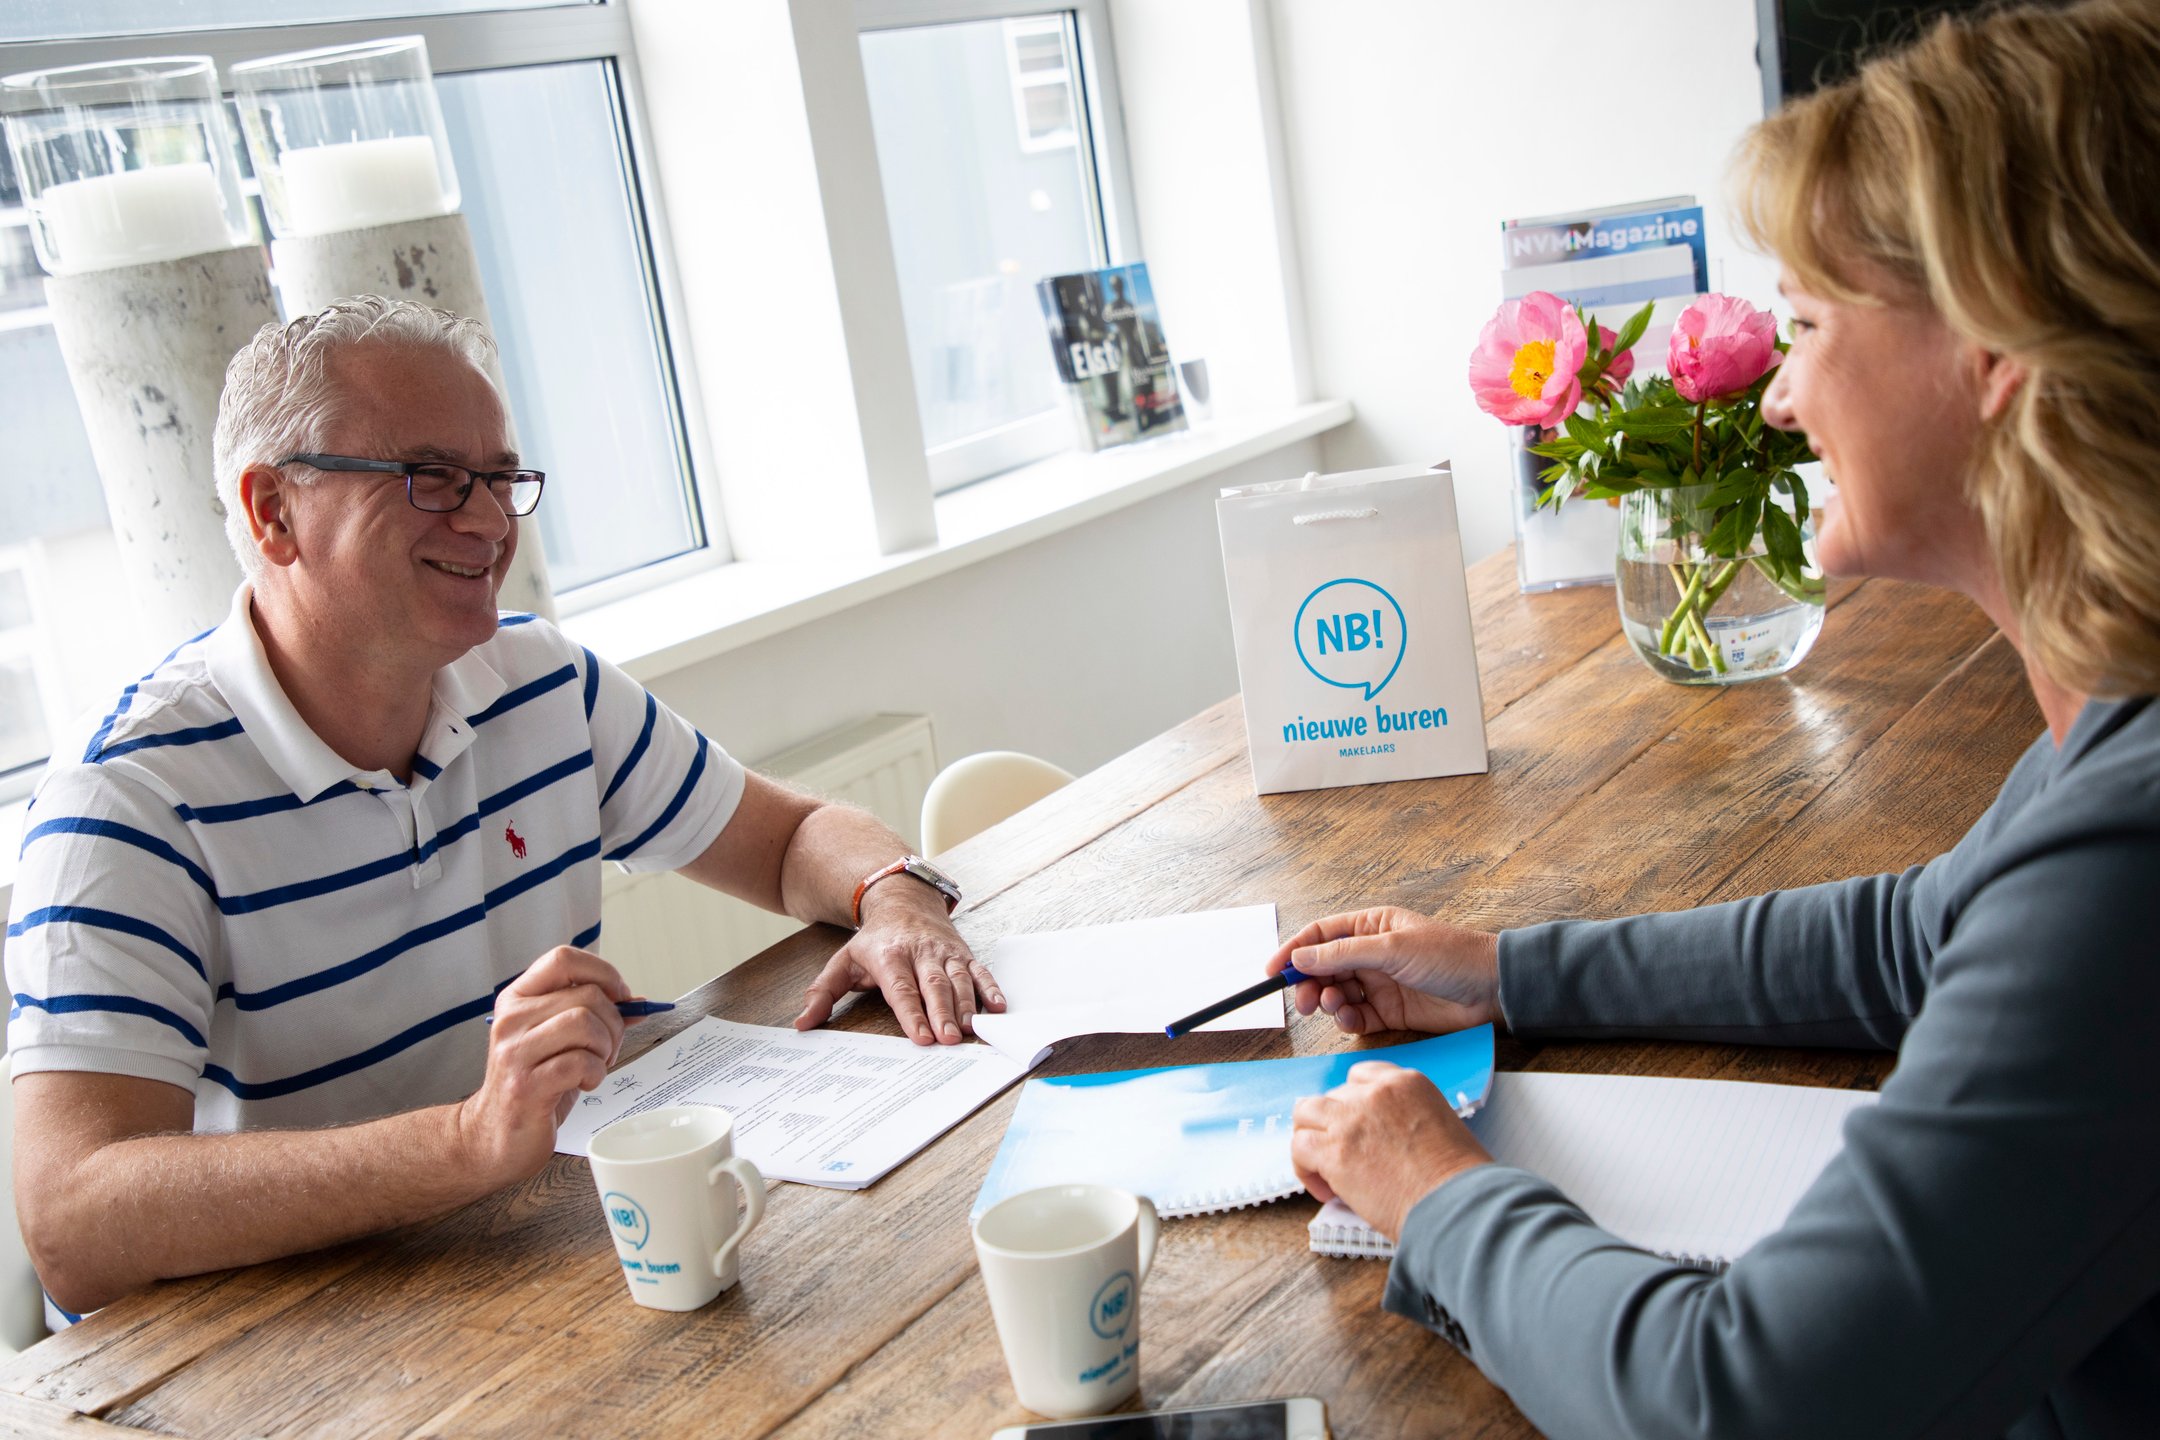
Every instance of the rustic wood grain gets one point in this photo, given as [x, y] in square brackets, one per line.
[22, 1418]
[862, 1313]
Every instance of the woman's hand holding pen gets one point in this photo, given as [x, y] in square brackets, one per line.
[1393, 969]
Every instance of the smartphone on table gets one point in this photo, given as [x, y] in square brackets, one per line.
[1304, 1418]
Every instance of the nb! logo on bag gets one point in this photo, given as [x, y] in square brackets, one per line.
[1351, 634]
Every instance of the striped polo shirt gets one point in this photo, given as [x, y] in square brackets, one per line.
[209, 896]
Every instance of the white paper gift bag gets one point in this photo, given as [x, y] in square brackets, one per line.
[1352, 620]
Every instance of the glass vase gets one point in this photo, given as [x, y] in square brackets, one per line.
[124, 164]
[1701, 618]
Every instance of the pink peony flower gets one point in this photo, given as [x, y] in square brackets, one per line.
[1620, 366]
[1720, 346]
[1525, 368]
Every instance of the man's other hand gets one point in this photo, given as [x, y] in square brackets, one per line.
[908, 949]
[556, 1031]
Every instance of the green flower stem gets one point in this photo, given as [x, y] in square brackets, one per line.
[1807, 592]
[1697, 595]
[1688, 595]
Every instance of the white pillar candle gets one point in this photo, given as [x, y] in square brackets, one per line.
[164, 212]
[360, 184]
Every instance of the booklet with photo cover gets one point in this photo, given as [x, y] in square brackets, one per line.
[1108, 343]
[1199, 1138]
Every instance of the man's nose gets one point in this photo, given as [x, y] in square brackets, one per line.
[1777, 401]
[482, 514]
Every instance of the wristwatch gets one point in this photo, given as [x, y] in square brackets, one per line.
[922, 870]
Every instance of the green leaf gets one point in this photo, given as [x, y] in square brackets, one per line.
[1584, 433]
[1561, 448]
[1632, 332]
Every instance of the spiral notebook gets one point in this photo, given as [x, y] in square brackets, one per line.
[1694, 1170]
[1199, 1138]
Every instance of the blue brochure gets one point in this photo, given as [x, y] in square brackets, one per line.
[1195, 1138]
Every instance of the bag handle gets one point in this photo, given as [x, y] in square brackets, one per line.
[1316, 517]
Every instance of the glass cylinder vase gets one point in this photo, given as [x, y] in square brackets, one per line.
[1700, 617]
[346, 138]
[123, 164]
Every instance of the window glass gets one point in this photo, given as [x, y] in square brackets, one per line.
[987, 190]
[75, 19]
[562, 260]
[23, 739]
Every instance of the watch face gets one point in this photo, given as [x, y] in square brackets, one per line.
[930, 872]
[923, 870]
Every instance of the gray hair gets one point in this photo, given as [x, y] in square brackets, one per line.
[278, 399]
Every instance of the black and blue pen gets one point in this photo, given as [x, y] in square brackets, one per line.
[1289, 976]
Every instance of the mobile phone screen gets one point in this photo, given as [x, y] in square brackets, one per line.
[1231, 1422]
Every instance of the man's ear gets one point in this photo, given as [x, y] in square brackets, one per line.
[265, 498]
[2000, 377]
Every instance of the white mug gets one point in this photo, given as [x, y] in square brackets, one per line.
[1063, 1266]
[672, 1216]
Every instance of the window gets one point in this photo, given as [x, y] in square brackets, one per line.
[541, 110]
[25, 727]
[1001, 165]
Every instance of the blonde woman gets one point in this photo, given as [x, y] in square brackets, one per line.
[1970, 236]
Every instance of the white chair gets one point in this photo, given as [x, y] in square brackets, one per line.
[975, 792]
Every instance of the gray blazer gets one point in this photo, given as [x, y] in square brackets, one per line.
[1984, 1255]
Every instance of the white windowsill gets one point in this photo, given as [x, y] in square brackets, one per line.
[683, 622]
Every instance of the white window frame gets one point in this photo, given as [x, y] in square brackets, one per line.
[1021, 81]
[488, 40]
[582, 30]
[1114, 232]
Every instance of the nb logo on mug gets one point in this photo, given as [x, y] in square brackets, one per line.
[628, 1219]
[1110, 1315]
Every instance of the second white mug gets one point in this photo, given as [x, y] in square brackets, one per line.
[1063, 1266]
[664, 1179]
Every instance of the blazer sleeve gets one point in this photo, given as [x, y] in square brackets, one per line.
[1990, 1225]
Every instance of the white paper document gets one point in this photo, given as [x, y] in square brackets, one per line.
[824, 1107]
[1133, 977]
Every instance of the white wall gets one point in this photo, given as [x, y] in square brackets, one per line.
[1075, 648]
[1414, 127]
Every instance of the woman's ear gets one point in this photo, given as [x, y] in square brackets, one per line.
[265, 500]
[2000, 377]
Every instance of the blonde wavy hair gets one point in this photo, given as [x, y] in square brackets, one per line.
[2005, 168]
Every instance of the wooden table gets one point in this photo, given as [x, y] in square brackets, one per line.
[862, 1314]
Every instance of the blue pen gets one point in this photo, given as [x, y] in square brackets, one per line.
[1290, 975]
[633, 1009]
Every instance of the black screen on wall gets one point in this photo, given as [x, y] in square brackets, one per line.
[1806, 44]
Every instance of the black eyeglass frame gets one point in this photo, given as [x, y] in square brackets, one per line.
[407, 467]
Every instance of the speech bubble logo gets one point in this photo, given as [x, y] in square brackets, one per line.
[627, 1218]
[1351, 634]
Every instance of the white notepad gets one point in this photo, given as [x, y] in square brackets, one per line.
[1694, 1170]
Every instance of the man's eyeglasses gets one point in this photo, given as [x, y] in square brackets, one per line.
[436, 486]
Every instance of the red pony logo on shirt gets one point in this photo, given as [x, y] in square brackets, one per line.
[517, 841]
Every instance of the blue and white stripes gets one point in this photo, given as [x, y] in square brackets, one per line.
[213, 899]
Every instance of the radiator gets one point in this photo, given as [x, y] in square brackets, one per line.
[669, 935]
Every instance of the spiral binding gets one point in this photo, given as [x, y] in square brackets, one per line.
[1236, 1197]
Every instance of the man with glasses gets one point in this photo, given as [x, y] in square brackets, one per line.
[302, 939]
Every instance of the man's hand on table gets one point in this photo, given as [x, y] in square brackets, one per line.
[555, 1032]
[1393, 969]
[907, 948]
[1383, 1140]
